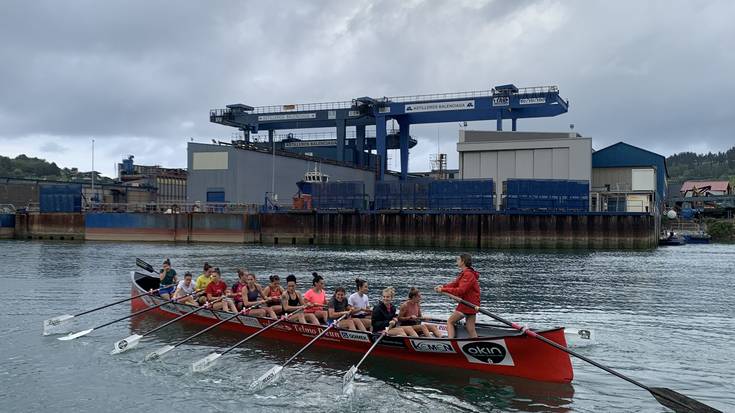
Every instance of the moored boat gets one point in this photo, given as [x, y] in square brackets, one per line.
[498, 349]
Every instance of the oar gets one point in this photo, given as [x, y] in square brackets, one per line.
[132, 341]
[72, 336]
[350, 375]
[51, 326]
[272, 375]
[667, 397]
[208, 361]
[165, 349]
[144, 265]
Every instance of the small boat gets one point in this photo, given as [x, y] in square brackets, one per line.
[699, 238]
[498, 350]
[672, 239]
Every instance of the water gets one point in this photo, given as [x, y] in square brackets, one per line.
[664, 317]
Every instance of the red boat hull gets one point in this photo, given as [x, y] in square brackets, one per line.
[508, 354]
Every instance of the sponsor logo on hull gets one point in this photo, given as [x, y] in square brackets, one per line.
[393, 342]
[493, 352]
[432, 346]
[351, 335]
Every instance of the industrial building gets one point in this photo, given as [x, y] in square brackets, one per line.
[527, 155]
[244, 174]
[168, 184]
[626, 178]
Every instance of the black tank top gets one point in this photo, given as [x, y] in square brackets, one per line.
[293, 302]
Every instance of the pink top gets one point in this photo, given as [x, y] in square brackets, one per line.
[411, 308]
[319, 299]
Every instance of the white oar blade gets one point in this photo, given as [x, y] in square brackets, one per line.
[56, 325]
[126, 344]
[347, 379]
[72, 336]
[270, 377]
[155, 355]
[579, 337]
[205, 363]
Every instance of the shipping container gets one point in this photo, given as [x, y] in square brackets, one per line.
[465, 194]
[410, 195]
[60, 198]
[339, 195]
[554, 195]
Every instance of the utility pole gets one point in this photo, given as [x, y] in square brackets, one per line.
[93, 193]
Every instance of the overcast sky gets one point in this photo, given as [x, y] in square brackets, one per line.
[140, 77]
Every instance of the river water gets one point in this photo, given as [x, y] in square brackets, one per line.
[663, 317]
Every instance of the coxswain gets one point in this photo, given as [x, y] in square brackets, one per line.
[384, 315]
[292, 300]
[273, 293]
[167, 275]
[185, 291]
[467, 287]
[359, 302]
[216, 289]
[251, 295]
[409, 315]
[316, 298]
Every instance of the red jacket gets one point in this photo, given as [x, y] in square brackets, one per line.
[467, 287]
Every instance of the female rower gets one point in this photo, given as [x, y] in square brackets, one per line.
[216, 289]
[384, 316]
[338, 307]
[167, 275]
[184, 291]
[292, 299]
[410, 316]
[316, 298]
[273, 293]
[467, 287]
[203, 280]
[359, 301]
[238, 287]
[252, 294]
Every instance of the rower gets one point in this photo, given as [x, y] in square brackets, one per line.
[238, 287]
[338, 307]
[167, 275]
[467, 287]
[384, 313]
[273, 293]
[410, 316]
[203, 280]
[252, 294]
[217, 288]
[185, 290]
[359, 301]
[292, 300]
[316, 298]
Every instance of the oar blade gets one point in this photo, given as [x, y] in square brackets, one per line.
[56, 325]
[205, 363]
[270, 377]
[347, 381]
[144, 265]
[679, 402]
[72, 336]
[155, 355]
[126, 344]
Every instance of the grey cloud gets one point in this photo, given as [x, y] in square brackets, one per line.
[53, 147]
[655, 74]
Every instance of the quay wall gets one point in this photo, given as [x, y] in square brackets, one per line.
[51, 225]
[7, 226]
[468, 231]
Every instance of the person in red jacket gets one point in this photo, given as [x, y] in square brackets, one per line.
[467, 287]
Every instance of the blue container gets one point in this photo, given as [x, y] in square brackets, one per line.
[338, 195]
[467, 194]
[60, 198]
[558, 195]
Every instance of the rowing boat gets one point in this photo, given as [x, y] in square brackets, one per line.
[498, 349]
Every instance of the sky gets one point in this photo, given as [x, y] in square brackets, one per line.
[139, 77]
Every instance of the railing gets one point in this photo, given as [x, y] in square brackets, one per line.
[175, 208]
[305, 107]
[7, 209]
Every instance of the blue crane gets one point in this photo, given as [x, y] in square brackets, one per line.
[500, 103]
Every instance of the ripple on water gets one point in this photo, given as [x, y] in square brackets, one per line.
[662, 317]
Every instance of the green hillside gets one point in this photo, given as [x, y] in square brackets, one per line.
[689, 165]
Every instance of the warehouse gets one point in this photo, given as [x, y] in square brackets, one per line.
[626, 178]
[242, 174]
[530, 155]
